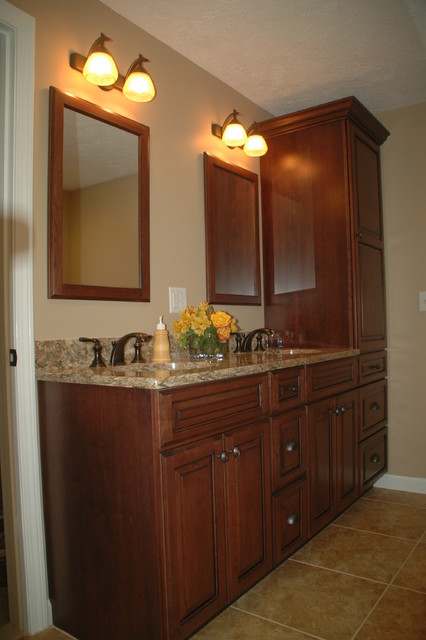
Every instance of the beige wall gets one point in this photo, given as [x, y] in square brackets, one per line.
[404, 205]
[188, 101]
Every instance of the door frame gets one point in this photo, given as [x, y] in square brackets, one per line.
[30, 608]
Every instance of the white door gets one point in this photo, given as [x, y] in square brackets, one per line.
[27, 581]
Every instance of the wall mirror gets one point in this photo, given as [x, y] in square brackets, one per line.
[98, 203]
[231, 208]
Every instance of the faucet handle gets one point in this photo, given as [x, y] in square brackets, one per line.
[97, 349]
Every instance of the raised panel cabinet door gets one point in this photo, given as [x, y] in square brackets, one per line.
[347, 419]
[288, 447]
[371, 298]
[321, 470]
[290, 520]
[367, 185]
[248, 507]
[193, 481]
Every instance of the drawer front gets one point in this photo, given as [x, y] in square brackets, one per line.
[373, 458]
[372, 366]
[327, 378]
[373, 408]
[201, 410]
[290, 522]
[287, 388]
[289, 449]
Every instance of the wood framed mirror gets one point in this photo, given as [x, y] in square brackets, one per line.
[98, 203]
[231, 206]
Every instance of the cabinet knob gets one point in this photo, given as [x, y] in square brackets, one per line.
[224, 457]
[293, 518]
[359, 234]
[342, 409]
[375, 406]
[375, 457]
[235, 452]
[292, 445]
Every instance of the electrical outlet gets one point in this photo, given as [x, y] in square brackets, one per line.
[177, 299]
[422, 300]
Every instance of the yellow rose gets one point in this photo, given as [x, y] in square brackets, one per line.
[221, 319]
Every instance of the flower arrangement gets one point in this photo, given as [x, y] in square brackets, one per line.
[204, 331]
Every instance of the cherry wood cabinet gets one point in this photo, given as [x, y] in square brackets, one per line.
[322, 226]
[217, 506]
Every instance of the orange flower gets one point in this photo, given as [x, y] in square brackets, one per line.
[221, 319]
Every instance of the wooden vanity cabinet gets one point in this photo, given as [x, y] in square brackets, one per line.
[157, 504]
[333, 429]
[218, 533]
[289, 459]
[322, 226]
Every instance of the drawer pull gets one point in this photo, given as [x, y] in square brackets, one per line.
[178, 415]
[235, 452]
[375, 406]
[375, 366]
[291, 388]
[293, 518]
[375, 458]
[292, 445]
[223, 457]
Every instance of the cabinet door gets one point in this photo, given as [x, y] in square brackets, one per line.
[195, 535]
[290, 521]
[288, 447]
[347, 416]
[321, 471]
[248, 507]
[370, 299]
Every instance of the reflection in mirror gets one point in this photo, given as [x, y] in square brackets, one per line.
[98, 203]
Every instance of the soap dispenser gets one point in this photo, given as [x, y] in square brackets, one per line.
[161, 343]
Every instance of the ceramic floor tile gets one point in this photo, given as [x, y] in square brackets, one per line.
[400, 497]
[413, 573]
[327, 604]
[391, 519]
[400, 615]
[233, 624]
[360, 553]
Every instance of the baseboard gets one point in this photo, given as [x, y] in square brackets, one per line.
[402, 483]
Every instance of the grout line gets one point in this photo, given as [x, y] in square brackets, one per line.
[391, 583]
[377, 533]
[343, 573]
[399, 504]
[279, 624]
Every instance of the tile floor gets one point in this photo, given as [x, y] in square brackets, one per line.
[363, 578]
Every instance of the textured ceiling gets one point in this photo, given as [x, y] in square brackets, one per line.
[290, 54]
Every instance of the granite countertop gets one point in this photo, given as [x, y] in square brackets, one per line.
[184, 371]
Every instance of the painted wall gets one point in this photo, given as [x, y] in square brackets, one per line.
[188, 101]
[404, 205]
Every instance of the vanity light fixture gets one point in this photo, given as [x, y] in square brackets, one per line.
[256, 144]
[234, 135]
[138, 85]
[99, 68]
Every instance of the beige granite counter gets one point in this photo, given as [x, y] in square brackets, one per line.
[54, 362]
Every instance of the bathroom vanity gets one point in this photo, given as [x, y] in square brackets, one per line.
[171, 490]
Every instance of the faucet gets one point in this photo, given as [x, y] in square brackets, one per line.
[118, 349]
[246, 345]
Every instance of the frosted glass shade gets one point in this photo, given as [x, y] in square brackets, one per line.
[100, 69]
[255, 146]
[234, 135]
[139, 87]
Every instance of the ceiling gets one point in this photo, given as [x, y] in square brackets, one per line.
[286, 55]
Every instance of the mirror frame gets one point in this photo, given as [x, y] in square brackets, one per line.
[58, 101]
[232, 192]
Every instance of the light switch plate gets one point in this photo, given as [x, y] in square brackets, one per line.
[422, 300]
[177, 299]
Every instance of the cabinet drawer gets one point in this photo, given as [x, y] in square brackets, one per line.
[327, 378]
[372, 366]
[373, 458]
[287, 388]
[289, 451]
[373, 408]
[290, 523]
[201, 410]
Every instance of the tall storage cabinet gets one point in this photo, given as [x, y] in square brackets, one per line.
[322, 226]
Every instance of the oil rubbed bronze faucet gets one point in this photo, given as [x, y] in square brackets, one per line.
[118, 349]
[258, 334]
